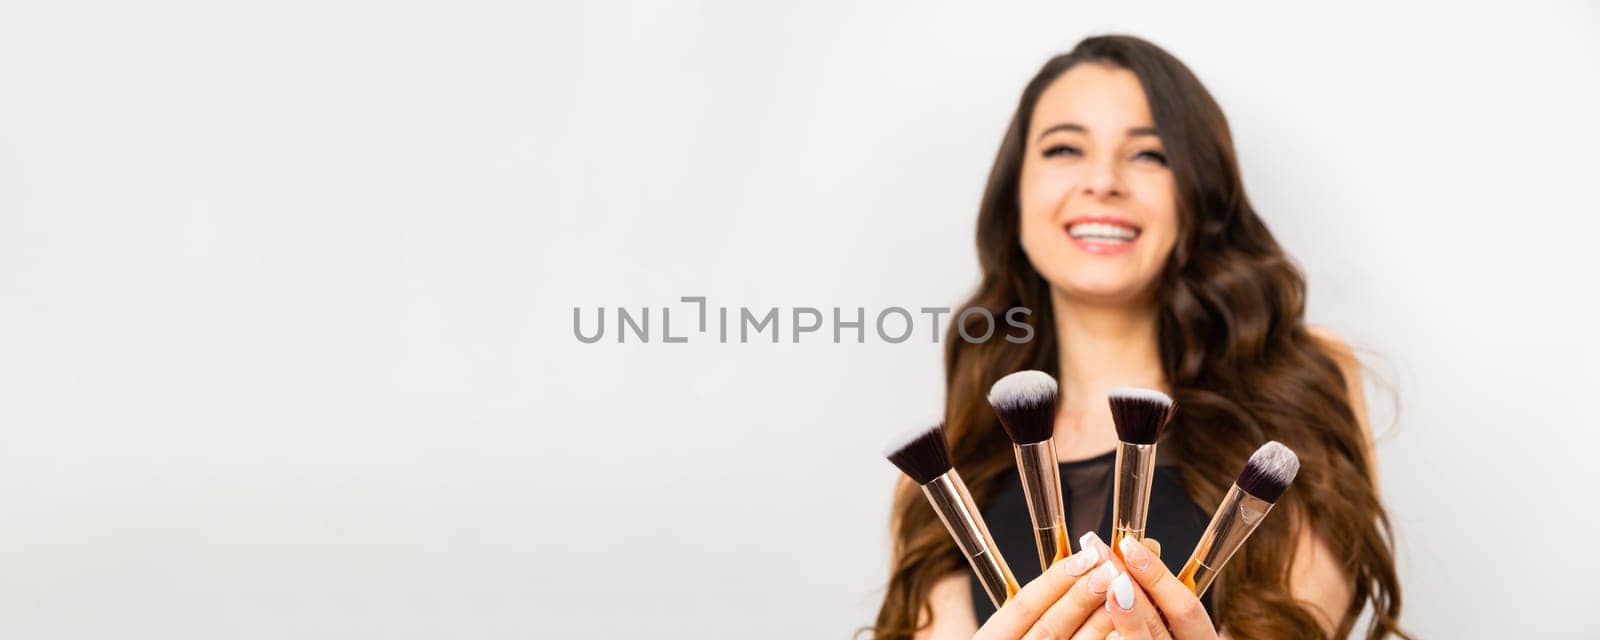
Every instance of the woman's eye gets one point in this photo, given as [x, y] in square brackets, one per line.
[1152, 155]
[1061, 150]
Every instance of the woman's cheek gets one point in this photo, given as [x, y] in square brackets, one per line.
[1041, 193]
[1033, 241]
[1036, 211]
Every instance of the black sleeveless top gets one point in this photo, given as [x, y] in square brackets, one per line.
[1086, 487]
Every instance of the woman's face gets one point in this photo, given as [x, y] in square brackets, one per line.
[1099, 209]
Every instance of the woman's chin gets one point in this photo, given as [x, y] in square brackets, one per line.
[1101, 293]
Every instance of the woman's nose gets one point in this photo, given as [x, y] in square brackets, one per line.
[1103, 180]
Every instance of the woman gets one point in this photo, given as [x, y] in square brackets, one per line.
[1115, 212]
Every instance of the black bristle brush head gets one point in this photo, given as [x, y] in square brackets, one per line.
[1140, 414]
[922, 454]
[1026, 404]
[1269, 471]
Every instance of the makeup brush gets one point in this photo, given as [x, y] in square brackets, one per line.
[924, 455]
[1026, 404]
[1140, 415]
[1266, 475]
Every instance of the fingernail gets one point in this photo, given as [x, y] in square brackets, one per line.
[1081, 561]
[1090, 541]
[1123, 588]
[1135, 554]
[1100, 580]
[1114, 636]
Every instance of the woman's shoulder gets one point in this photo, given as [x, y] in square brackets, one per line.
[1335, 345]
[1349, 365]
[1336, 348]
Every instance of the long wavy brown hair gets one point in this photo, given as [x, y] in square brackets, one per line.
[1234, 347]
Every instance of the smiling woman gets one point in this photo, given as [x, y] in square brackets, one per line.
[1095, 183]
[1115, 209]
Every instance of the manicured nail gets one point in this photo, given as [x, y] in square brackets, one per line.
[1135, 553]
[1081, 561]
[1122, 587]
[1114, 636]
[1100, 580]
[1090, 541]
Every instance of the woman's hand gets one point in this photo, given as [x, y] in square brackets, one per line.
[1153, 605]
[1058, 602]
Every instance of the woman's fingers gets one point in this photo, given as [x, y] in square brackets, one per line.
[1068, 612]
[1132, 615]
[1097, 627]
[1023, 609]
[1184, 614]
[1069, 616]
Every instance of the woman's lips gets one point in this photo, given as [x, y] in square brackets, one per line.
[1102, 235]
[1102, 248]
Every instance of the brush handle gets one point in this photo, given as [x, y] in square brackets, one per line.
[1197, 577]
[1041, 486]
[1136, 467]
[994, 576]
[1236, 518]
[950, 499]
[1052, 546]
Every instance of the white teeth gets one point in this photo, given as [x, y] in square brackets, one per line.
[1101, 231]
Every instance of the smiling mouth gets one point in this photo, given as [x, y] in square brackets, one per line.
[1102, 232]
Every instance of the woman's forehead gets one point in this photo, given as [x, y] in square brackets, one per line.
[1097, 97]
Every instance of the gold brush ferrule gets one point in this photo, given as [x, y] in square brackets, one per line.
[1136, 466]
[949, 497]
[1234, 521]
[1041, 485]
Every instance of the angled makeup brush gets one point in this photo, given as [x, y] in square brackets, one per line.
[924, 455]
[1026, 404]
[1140, 415]
[1267, 474]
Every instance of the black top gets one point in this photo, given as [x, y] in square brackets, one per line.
[1086, 487]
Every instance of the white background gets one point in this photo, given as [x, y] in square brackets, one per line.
[286, 298]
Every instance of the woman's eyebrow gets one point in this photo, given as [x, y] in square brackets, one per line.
[1078, 128]
[1067, 126]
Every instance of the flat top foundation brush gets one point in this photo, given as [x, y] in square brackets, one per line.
[1025, 401]
[924, 456]
[1139, 415]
